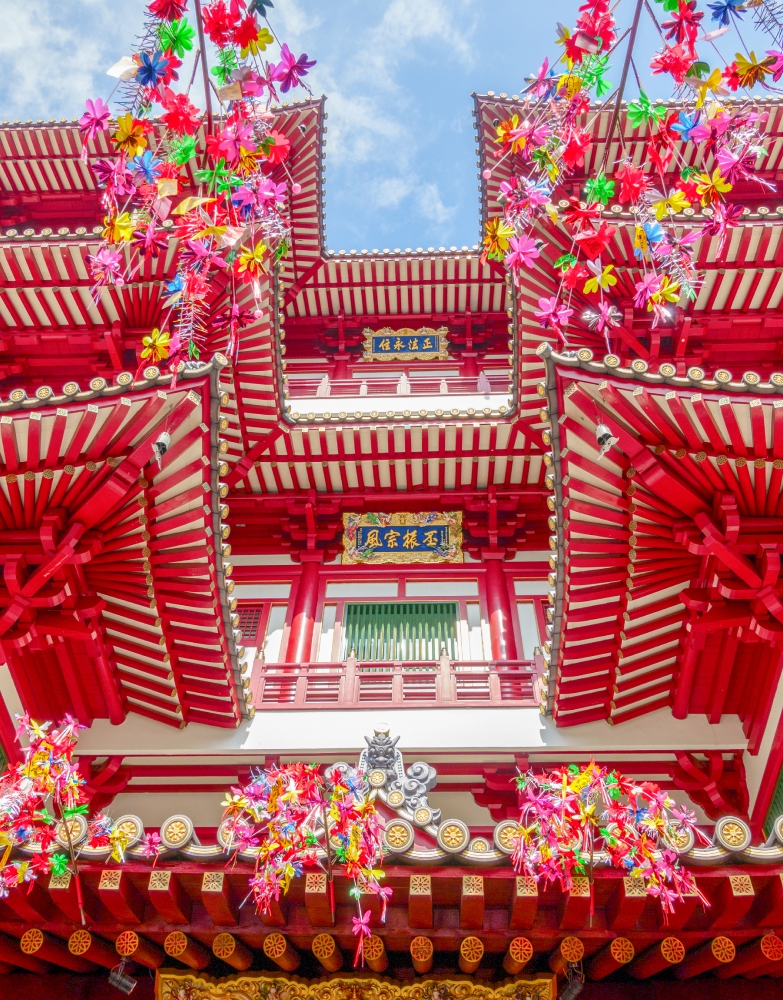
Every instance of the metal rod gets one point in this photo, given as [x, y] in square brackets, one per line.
[205, 67]
[623, 78]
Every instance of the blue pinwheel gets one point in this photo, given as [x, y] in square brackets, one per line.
[684, 125]
[724, 8]
[152, 68]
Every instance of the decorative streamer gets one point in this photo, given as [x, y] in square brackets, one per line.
[567, 814]
[238, 224]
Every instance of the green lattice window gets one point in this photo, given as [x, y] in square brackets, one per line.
[775, 806]
[408, 630]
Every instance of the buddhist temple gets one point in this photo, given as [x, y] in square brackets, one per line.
[404, 528]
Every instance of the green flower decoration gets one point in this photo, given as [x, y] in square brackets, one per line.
[177, 36]
[541, 156]
[183, 149]
[642, 111]
[592, 74]
[599, 189]
[58, 864]
[282, 250]
[193, 351]
[81, 810]
[701, 70]
[219, 178]
[227, 63]
[565, 262]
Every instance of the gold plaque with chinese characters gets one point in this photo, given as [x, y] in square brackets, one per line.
[423, 537]
[425, 344]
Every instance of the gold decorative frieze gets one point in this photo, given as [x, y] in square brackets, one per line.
[171, 985]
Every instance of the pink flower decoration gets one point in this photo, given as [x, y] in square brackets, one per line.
[95, 119]
[553, 313]
[522, 252]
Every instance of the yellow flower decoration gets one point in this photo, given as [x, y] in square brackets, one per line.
[251, 261]
[714, 84]
[119, 229]
[676, 202]
[752, 71]
[259, 44]
[498, 235]
[504, 131]
[129, 137]
[603, 280]
[234, 803]
[156, 345]
[248, 162]
[711, 188]
[668, 292]
[119, 842]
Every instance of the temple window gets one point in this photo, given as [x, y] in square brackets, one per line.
[262, 627]
[401, 631]
[326, 651]
[528, 629]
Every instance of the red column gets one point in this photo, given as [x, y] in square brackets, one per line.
[499, 608]
[8, 735]
[303, 619]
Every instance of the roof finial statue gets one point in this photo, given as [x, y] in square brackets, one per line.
[382, 753]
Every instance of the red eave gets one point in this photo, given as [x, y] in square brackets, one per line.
[114, 598]
[667, 547]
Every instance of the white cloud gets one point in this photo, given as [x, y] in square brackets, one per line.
[405, 23]
[53, 56]
[391, 191]
[431, 206]
[358, 130]
[292, 23]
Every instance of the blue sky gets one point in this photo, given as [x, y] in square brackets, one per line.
[398, 74]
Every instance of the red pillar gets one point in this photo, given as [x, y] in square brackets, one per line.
[303, 619]
[499, 608]
[8, 741]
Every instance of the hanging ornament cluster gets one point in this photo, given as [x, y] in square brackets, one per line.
[712, 145]
[34, 795]
[42, 799]
[237, 224]
[292, 817]
[569, 814]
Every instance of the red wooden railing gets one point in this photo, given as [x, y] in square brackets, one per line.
[299, 388]
[507, 683]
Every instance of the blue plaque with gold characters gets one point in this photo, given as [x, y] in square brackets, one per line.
[425, 344]
[424, 537]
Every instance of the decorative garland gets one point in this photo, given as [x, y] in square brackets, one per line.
[237, 225]
[45, 789]
[288, 812]
[553, 138]
[568, 814]
[291, 817]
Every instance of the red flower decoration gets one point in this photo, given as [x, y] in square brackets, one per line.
[218, 23]
[633, 183]
[281, 148]
[168, 10]
[574, 152]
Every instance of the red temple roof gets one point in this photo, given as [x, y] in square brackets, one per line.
[665, 553]
[115, 596]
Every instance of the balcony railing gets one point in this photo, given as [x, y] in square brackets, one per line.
[320, 386]
[411, 684]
